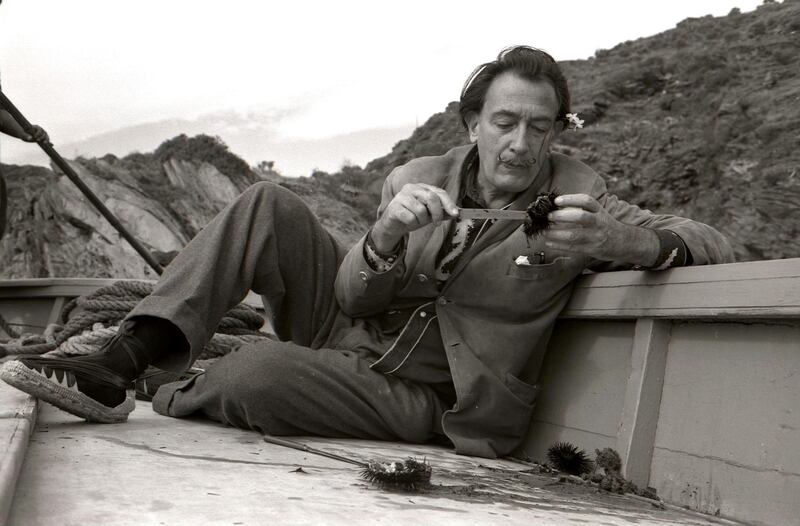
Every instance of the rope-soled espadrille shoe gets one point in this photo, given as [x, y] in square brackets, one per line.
[68, 383]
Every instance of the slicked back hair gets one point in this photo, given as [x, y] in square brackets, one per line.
[524, 61]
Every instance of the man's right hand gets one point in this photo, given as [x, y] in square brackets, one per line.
[37, 135]
[416, 205]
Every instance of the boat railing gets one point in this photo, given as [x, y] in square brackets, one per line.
[691, 374]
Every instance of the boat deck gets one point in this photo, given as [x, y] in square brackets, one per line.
[158, 470]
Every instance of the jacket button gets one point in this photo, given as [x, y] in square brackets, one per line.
[442, 301]
[423, 314]
[362, 275]
[422, 278]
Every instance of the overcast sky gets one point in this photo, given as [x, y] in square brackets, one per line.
[291, 73]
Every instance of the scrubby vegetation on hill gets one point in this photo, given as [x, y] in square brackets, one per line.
[206, 149]
[438, 134]
[702, 120]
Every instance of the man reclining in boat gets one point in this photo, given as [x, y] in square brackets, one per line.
[422, 329]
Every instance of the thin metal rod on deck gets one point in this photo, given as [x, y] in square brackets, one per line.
[70, 173]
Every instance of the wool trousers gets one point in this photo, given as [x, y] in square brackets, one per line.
[270, 242]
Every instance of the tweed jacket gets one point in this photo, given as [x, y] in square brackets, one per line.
[494, 316]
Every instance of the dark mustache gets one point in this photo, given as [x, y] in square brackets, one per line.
[516, 161]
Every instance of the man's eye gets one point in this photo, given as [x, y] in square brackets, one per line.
[505, 125]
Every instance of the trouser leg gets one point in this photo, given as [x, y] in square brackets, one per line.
[268, 241]
[281, 388]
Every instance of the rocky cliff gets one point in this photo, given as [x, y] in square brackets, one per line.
[702, 120]
[163, 198]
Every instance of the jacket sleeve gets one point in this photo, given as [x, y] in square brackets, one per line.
[360, 290]
[706, 245]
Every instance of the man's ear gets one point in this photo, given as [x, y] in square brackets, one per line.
[472, 125]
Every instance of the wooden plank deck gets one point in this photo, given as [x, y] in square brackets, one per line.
[158, 470]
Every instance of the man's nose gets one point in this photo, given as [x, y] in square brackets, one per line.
[520, 141]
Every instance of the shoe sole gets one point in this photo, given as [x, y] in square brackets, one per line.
[62, 396]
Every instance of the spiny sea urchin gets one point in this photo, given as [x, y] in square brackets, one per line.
[405, 475]
[568, 458]
[537, 213]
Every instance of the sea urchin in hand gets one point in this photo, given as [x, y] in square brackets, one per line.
[568, 458]
[537, 213]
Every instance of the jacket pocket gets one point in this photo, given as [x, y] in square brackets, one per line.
[522, 390]
[557, 267]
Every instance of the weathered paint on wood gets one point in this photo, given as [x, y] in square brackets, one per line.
[17, 421]
[764, 289]
[640, 410]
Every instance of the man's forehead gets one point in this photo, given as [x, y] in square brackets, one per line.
[515, 96]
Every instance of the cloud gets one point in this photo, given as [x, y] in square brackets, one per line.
[261, 125]
[255, 136]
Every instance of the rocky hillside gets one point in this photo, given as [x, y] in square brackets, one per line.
[702, 120]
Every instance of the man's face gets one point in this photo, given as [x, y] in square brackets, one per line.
[513, 132]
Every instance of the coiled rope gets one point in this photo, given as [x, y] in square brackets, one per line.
[96, 318]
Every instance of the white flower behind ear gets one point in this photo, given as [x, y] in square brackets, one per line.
[573, 122]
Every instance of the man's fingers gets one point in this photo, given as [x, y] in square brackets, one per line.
[37, 133]
[406, 216]
[436, 201]
[584, 201]
[567, 235]
[587, 241]
[572, 215]
[417, 208]
[416, 205]
[435, 211]
[447, 203]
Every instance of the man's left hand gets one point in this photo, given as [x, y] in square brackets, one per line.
[582, 226]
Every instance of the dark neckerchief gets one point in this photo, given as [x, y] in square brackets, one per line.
[469, 196]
